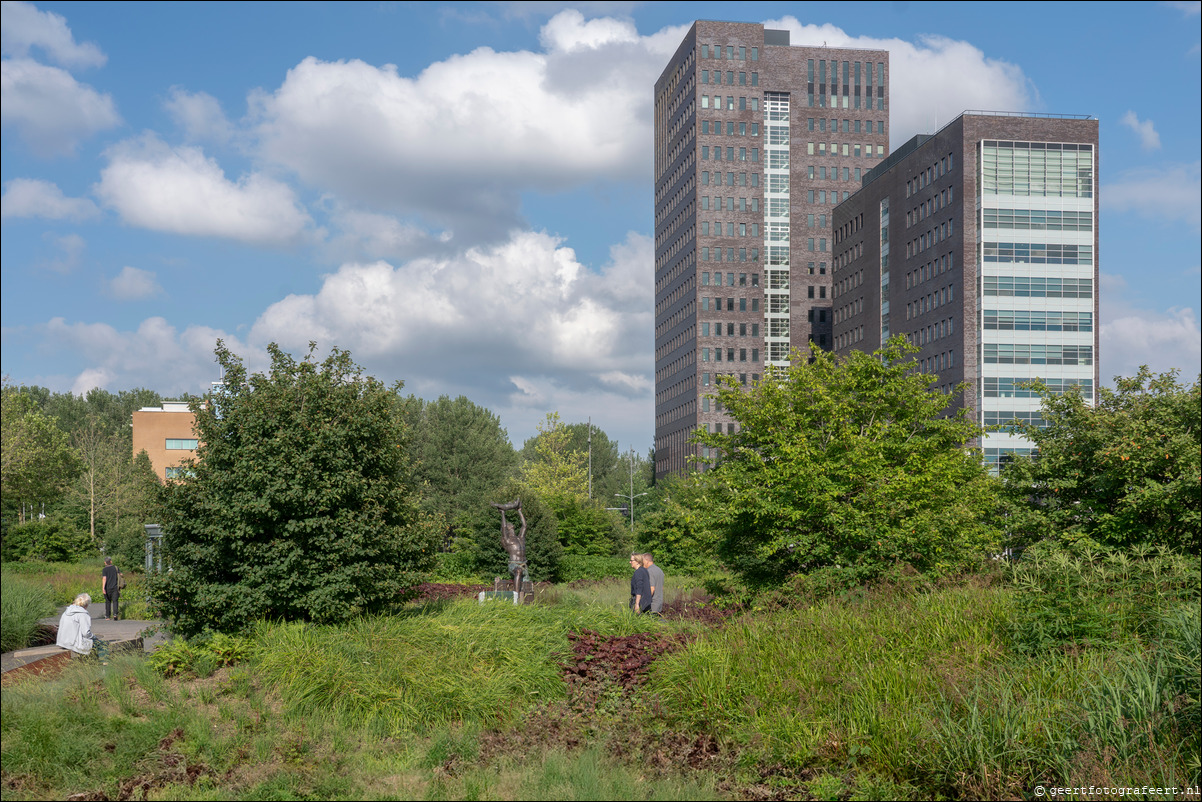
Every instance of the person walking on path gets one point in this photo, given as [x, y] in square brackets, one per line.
[655, 575]
[110, 579]
[75, 627]
[640, 586]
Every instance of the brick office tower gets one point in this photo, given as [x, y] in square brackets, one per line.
[980, 244]
[756, 141]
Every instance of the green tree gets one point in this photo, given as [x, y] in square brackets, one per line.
[300, 504]
[37, 460]
[461, 452]
[850, 462]
[557, 472]
[1123, 472]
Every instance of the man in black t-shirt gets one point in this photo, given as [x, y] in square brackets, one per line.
[640, 586]
[109, 578]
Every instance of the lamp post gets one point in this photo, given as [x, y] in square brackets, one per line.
[631, 496]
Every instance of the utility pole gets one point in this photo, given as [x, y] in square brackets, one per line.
[631, 496]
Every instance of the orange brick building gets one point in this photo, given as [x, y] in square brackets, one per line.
[167, 435]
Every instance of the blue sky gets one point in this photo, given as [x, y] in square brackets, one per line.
[460, 194]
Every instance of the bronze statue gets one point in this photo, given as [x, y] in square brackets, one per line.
[514, 543]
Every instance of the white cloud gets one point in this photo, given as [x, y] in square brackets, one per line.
[156, 355]
[1130, 337]
[1148, 138]
[1190, 8]
[132, 284]
[31, 197]
[23, 26]
[459, 142]
[523, 308]
[181, 191]
[70, 248]
[1169, 194]
[200, 116]
[50, 109]
[932, 81]
[365, 236]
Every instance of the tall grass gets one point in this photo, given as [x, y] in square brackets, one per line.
[22, 603]
[453, 663]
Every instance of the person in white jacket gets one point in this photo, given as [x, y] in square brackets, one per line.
[75, 627]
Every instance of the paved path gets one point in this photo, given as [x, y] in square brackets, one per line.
[112, 631]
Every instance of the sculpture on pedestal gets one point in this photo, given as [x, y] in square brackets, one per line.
[514, 542]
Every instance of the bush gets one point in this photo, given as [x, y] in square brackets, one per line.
[23, 602]
[575, 567]
[49, 540]
[201, 655]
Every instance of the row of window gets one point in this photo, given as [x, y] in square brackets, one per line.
[732, 229]
[1005, 420]
[745, 279]
[1010, 387]
[932, 173]
[730, 204]
[848, 311]
[928, 207]
[728, 52]
[822, 196]
[742, 253]
[938, 362]
[844, 149]
[852, 103]
[732, 179]
[743, 154]
[822, 174]
[930, 239]
[850, 338]
[848, 127]
[935, 331]
[933, 268]
[997, 457]
[715, 76]
[1037, 320]
[1037, 169]
[730, 329]
[730, 304]
[1037, 354]
[705, 382]
[931, 301]
[744, 103]
[181, 444]
[715, 128]
[1037, 219]
[1037, 287]
[730, 354]
[1038, 253]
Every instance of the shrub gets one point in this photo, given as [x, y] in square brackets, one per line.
[575, 567]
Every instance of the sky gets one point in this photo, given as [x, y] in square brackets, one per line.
[460, 194]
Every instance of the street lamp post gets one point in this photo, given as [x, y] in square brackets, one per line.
[631, 496]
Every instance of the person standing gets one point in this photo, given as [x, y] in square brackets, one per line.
[640, 586]
[110, 579]
[655, 576]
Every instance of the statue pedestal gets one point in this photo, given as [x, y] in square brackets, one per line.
[500, 595]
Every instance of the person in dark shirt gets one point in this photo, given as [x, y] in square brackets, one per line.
[640, 586]
[109, 579]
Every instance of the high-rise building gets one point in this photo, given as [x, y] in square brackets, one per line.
[980, 244]
[756, 141]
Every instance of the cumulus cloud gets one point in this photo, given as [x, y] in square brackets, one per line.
[1130, 336]
[459, 142]
[156, 355]
[132, 284]
[487, 320]
[199, 115]
[23, 27]
[1148, 138]
[1169, 194]
[50, 109]
[364, 235]
[932, 80]
[180, 190]
[31, 197]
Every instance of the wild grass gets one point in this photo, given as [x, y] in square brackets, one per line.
[444, 664]
[22, 602]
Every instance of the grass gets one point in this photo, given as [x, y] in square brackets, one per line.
[65, 581]
[22, 603]
[891, 693]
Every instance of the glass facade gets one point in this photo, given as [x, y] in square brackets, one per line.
[1036, 295]
[776, 228]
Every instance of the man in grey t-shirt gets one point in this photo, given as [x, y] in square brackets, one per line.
[657, 583]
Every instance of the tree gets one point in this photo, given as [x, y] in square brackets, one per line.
[300, 504]
[557, 471]
[461, 453]
[37, 459]
[1123, 472]
[850, 462]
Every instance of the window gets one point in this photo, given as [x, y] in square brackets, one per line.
[180, 444]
